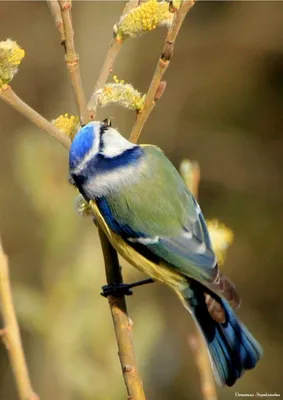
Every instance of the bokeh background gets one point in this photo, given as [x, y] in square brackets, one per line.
[223, 106]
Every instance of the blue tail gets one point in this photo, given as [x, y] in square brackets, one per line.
[232, 349]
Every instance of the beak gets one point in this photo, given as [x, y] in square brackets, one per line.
[107, 122]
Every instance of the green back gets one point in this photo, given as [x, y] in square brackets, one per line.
[157, 204]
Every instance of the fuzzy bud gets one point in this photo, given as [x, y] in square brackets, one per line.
[82, 207]
[221, 238]
[11, 55]
[121, 93]
[146, 17]
[69, 124]
[190, 172]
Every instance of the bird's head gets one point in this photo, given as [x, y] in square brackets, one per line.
[96, 139]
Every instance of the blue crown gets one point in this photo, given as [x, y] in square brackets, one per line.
[83, 143]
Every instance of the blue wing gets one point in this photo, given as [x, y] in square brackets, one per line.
[190, 251]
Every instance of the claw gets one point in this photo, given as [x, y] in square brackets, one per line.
[117, 290]
[122, 289]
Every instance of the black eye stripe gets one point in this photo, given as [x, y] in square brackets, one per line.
[103, 129]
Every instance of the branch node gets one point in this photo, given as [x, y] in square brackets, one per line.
[3, 88]
[160, 90]
[4, 337]
[72, 61]
[128, 369]
[67, 5]
[167, 54]
[63, 43]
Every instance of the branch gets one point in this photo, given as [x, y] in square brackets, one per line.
[72, 61]
[106, 69]
[10, 97]
[56, 12]
[122, 324]
[11, 335]
[207, 383]
[161, 67]
[109, 61]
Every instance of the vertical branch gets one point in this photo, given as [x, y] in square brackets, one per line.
[122, 324]
[112, 54]
[207, 383]
[106, 69]
[190, 172]
[11, 334]
[161, 67]
[56, 12]
[72, 60]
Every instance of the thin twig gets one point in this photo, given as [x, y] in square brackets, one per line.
[113, 51]
[196, 341]
[10, 97]
[106, 69]
[207, 383]
[161, 67]
[122, 324]
[10, 334]
[72, 61]
[56, 12]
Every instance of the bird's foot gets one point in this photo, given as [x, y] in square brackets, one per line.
[116, 289]
[122, 289]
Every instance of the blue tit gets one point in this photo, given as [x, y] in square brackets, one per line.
[154, 221]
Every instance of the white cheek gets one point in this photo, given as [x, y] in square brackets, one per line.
[114, 143]
[106, 182]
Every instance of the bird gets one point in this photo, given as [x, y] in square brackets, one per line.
[154, 221]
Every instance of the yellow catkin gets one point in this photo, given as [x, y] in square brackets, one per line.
[69, 124]
[221, 238]
[11, 55]
[121, 93]
[148, 16]
[83, 207]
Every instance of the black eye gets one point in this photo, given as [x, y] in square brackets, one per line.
[107, 122]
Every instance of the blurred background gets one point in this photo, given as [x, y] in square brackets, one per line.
[223, 106]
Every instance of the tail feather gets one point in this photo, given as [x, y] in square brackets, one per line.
[232, 349]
